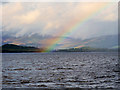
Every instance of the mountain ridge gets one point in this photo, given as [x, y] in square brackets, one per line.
[11, 48]
[109, 41]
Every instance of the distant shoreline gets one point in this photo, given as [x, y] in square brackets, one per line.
[11, 48]
[63, 52]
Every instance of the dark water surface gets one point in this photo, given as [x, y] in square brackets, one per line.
[54, 70]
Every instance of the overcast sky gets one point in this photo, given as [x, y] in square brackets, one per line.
[89, 19]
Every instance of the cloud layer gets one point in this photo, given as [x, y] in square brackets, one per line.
[51, 18]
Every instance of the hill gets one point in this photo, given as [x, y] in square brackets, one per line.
[11, 48]
[107, 41]
[87, 49]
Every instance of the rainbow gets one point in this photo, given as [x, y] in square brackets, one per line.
[72, 27]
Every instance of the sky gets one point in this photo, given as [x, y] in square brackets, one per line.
[48, 18]
[78, 20]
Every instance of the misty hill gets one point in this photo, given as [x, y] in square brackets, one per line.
[87, 49]
[109, 41]
[11, 48]
[36, 40]
[15, 48]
